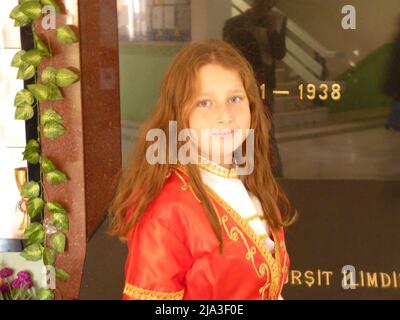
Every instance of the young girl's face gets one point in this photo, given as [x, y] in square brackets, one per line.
[221, 114]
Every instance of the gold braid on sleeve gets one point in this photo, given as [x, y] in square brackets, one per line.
[145, 294]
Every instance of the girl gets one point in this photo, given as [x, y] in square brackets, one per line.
[208, 229]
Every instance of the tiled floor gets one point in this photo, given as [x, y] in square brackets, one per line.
[368, 154]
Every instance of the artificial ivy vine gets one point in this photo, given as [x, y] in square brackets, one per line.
[44, 241]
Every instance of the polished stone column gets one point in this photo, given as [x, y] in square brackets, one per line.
[90, 151]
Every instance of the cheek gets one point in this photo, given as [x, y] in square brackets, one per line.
[191, 119]
[196, 122]
[244, 120]
[244, 123]
[194, 127]
[200, 120]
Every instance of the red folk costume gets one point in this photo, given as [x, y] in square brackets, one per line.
[174, 252]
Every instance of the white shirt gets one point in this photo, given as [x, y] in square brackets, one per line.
[234, 193]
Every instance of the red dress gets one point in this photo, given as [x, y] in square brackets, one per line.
[174, 252]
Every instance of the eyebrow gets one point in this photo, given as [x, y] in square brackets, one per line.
[230, 91]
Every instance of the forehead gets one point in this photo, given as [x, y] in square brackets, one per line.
[214, 77]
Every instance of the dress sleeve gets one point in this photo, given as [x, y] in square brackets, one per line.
[157, 263]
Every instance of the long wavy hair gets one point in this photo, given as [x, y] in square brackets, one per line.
[141, 181]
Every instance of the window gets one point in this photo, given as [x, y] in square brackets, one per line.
[12, 132]
[154, 20]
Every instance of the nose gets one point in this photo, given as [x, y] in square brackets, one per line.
[224, 115]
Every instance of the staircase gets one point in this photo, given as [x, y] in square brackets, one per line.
[298, 66]
[290, 111]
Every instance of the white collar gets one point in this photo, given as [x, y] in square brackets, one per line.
[231, 189]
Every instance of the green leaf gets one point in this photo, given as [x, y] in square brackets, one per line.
[56, 177]
[31, 155]
[32, 57]
[51, 115]
[24, 1]
[35, 207]
[33, 252]
[60, 220]
[32, 144]
[23, 98]
[15, 12]
[49, 75]
[65, 35]
[55, 207]
[44, 294]
[57, 241]
[52, 3]
[46, 165]
[39, 91]
[20, 18]
[32, 228]
[54, 92]
[22, 21]
[31, 9]
[49, 256]
[31, 152]
[24, 113]
[66, 77]
[53, 129]
[36, 237]
[17, 61]
[35, 233]
[62, 274]
[26, 72]
[30, 190]
[41, 46]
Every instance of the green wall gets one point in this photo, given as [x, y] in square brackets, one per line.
[142, 67]
[364, 83]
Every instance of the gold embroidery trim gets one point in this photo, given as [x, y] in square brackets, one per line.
[264, 236]
[263, 269]
[284, 270]
[144, 294]
[186, 185]
[253, 217]
[272, 262]
[216, 169]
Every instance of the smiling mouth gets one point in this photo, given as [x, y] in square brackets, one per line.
[222, 132]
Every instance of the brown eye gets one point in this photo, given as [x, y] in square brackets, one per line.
[204, 103]
[236, 99]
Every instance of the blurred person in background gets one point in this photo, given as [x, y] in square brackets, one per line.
[259, 34]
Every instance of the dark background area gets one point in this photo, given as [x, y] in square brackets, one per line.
[341, 222]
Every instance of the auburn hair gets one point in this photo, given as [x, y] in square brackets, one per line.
[141, 181]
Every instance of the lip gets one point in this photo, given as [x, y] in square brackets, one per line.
[221, 132]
